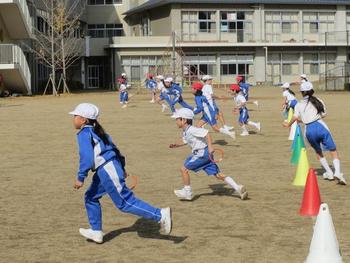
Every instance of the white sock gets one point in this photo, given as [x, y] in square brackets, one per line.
[251, 123]
[232, 183]
[188, 188]
[325, 165]
[336, 163]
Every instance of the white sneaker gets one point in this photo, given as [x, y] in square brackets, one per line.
[340, 178]
[165, 221]
[229, 128]
[124, 106]
[328, 176]
[183, 194]
[258, 126]
[164, 107]
[151, 101]
[245, 133]
[256, 103]
[242, 192]
[88, 233]
[173, 116]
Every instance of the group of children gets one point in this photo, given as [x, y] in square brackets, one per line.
[99, 154]
[311, 111]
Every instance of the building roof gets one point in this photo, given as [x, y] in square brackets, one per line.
[156, 3]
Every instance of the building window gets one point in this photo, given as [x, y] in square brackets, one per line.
[206, 20]
[286, 27]
[189, 25]
[136, 67]
[198, 65]
[318, 22]
[348, 20]
[228, 69]
[237, 64]
[286, 69]
[105, 30]
[104, 2]
[145, 26]
[280, 26]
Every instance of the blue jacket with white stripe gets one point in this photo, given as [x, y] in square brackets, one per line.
[94, 152]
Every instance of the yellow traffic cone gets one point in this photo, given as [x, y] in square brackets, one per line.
[302, 170]
[290, 114]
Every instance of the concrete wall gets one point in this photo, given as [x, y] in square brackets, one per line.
[4, 35]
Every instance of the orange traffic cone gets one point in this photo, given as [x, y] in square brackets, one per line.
[311, 199]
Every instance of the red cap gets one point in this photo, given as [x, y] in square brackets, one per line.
[239, 78]
[121, 80]
[235, 87]
[197, 86]
[149, 75]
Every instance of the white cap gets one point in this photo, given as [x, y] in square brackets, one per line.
[124, 74]
[160, 77]
[306, 86]
[286, 85]
[207, 77]
[86, 110]
[183, 113]
[168, 79]
[303, 76]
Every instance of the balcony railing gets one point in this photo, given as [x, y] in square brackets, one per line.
[13, 54]
[26, 14]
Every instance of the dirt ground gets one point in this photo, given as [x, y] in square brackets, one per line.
[40, 213]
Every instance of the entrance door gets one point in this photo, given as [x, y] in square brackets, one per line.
[95, 76]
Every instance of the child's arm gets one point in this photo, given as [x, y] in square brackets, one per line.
[199, 106]
[176, 145]
[86, 153]
[209, 142]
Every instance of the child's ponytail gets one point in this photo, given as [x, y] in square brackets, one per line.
[314, 101]
[98, 129]
[291, 92]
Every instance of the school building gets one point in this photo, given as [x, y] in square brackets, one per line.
[268, 41]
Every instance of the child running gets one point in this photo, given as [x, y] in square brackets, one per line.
[243, 111]
[151, 85]
[289, 98]
[310, 111]
[99, 154]
[209, 94]
[208, 111]
[163, 93]
[123, 93]
[245, 89]
[200, 142]
[176, 91]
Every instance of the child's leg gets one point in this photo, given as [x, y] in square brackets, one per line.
[239, 189]
[254, 124]
[92, 204]
[185, 176]
[121, 97]
[324, 163]
[112, 179]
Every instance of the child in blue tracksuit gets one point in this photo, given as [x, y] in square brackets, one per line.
[175, 91]
[99, 154]
[243, 110]
[209, 112]
[200, 142]
[151, 85]
[245, 89]
[310, 111]
[163, 93]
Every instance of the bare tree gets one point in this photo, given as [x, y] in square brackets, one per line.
[57, 42]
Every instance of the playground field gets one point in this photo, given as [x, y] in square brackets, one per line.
[41, 213]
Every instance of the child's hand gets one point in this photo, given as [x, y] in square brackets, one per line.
[285, 124]
[173, 145]
[78, 184]
[235, 110]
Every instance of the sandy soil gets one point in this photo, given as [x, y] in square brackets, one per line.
[40, 213]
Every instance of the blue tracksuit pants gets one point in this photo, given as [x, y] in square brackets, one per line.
[109, 179]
